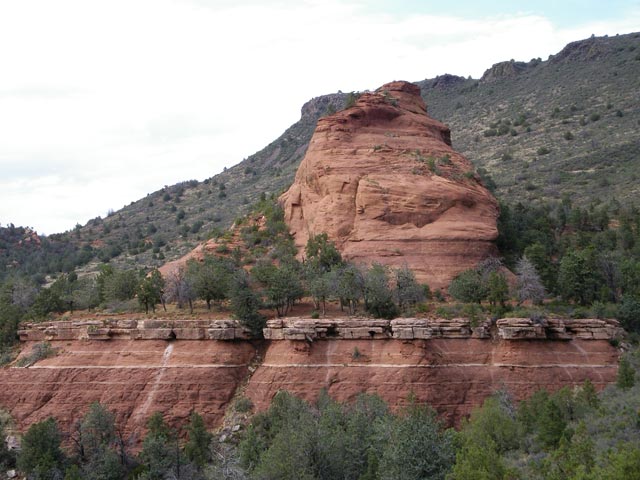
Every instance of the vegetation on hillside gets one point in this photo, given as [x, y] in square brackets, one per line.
[544, 129]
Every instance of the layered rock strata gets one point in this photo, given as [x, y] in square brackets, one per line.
[452, 375]
[382, 180]
[133, 378]
[137, 367]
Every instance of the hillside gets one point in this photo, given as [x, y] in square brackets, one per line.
[544, 129]
[566, 126]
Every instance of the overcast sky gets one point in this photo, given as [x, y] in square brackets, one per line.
[102, 102]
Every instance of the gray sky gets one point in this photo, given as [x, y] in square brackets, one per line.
[102, 102]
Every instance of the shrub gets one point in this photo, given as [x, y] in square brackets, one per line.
[543, 151]
[243, 405]
[468, 287]
[39, 351]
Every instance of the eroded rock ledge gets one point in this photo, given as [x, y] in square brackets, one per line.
[424, 329]
[132, 329]
[308, 329]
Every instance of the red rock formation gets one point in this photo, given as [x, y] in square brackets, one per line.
[452, 375]
[129, 366]
[132, 378]
[381, 179]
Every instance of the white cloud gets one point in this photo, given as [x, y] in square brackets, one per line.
[103, 102]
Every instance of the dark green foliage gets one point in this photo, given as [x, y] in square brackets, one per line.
[551, 423]
[10, 315]
[210, 278]
[279, 443]
[497, 288]
[416, 446]
[629, 313]
[120, 284]
[378, 296]
[95, 439]
[626, 375]
[245, 304]
[40, 454]
[281, 284]
[322, 253]
[408, 292]
[159, 453]
[490, 432]
[345, 441]
[468, 287]
[348, 283]
[196, 450]
[578, 276]
[150, 290]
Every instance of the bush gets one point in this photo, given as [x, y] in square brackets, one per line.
[39, 351]
[243, 405]
[468, 287]
[543, 151]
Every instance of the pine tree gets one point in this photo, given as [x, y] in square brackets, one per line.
[626, 375]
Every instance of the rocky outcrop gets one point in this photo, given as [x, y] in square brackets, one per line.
[309, 329]
[132, 329]
[381, 179]
[132, 378]
[452, 375]
[503, 70]
[137, 367]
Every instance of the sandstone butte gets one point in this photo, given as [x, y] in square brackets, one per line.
[382, 180]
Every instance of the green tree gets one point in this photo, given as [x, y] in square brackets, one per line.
[159, 454]
[378, 296]
[319, 286]
[468, 287]
[348, 285]
[245, 304]
[417, 447]
[552, 423]
[282, 286]
[490, 432]
[150, 290]
[198, 440]
[322, 253]
[120, 285]
[573, 459]
[578, 277]
[622, 464]
[210, 278]
[96, 440]
[407, 292]
[40, 454]
[626, 374]
[280, 444]
[629, 313]
[497, 289]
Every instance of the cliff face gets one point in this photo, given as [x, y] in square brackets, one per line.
[136, 368]
[452, 375]
[381, 179]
